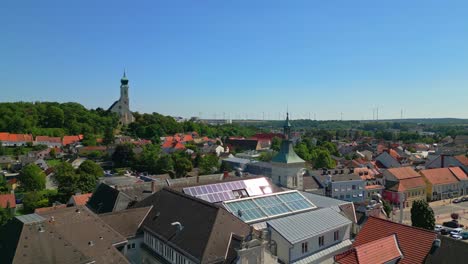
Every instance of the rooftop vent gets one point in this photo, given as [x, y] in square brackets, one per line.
[178, 225]
[91, 243]
[41, 229]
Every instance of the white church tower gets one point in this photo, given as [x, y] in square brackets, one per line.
[122, 106]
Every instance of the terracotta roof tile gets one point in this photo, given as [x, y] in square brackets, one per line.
[459, 173]
[6, 199]
[463, 159]
[403, 173]
[67, 140]
[408, 184]
[439, 176]
[382, 250]
[81, 199]
[415, 243]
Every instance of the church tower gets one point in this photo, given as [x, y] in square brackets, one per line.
[287, 168]
[122, 106]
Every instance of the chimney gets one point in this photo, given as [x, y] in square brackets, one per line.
[198, 178]
[442, 161]
[225, 174]
[153, 187]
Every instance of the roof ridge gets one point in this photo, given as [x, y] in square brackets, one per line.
[189, 197]
[386, 220]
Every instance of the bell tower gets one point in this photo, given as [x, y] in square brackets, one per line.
[124, 90]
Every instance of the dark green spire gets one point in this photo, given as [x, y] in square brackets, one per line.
[124, 80]
[287, 127]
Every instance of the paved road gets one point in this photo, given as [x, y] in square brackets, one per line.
[442, 211]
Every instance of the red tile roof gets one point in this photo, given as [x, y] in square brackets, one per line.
[408, 184]
[415, 243]
[48, 139]
[4, 136]
[394, 154]
[382, 250]
[67, 140]
[459, 173]
[81, 199]
[463, 159]
[403, 173]
[374, 187]
[439, 176]
[6, 199]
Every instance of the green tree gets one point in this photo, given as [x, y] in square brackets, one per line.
[91, 167]
[164, 164]
[33, 200]
[266, 156]
[322, 159]
[108, 136]
[89, 139]
[208, 164]
[32, 178]
[422, 215]
[148, 159]
[54, 117]
[275, 143]
[303, 152]
[66, 178]
[182, 166]
[387, 207]
[5, 215]
[123, 155]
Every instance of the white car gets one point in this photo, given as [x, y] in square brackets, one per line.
[438, 228]
[457, 237]
[456, 231]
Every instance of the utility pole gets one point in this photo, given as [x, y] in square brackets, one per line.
[341, 116]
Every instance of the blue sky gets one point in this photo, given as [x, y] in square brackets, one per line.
[241, 57]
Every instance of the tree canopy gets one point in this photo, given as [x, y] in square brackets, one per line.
[32, 178]
[422, 215]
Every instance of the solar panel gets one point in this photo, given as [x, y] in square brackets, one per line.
[263, 207]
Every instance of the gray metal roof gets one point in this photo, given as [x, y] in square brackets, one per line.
[238, 160]
[323, 201]
[30, 218]
[325, 253]
[299, 227]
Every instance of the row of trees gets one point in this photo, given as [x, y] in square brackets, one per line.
[153, 161]
[54, 119]
[153, 126]
[318, 155]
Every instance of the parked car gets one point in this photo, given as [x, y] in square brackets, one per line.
[464, 235]
[456, 231]
[457, 200]
[464, 199]
[451, 224]
[444, 232]
[457, 237]
[438, 228]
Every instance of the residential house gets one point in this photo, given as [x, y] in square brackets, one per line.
[403, 185]
[8, 201]
[384, 241]
[128, 223]
[385, 160]
[69, 235]
[442, 183]
[6, 162]
[444, 161]
[15, 140]
[197, 232]
[310, 237]
[243, 144]
[51, 142]
[450, 251]
[68, 140]
[373, 181]
[79, 199]
[236, 163]
[341, 184]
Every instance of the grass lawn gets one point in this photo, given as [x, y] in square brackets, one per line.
[53, 162]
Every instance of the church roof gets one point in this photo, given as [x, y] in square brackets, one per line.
[287, 154]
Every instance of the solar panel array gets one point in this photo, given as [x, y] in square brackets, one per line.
[216, 192]
[224, 191]
[263, 207]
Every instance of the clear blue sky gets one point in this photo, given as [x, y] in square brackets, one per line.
[241, 57]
